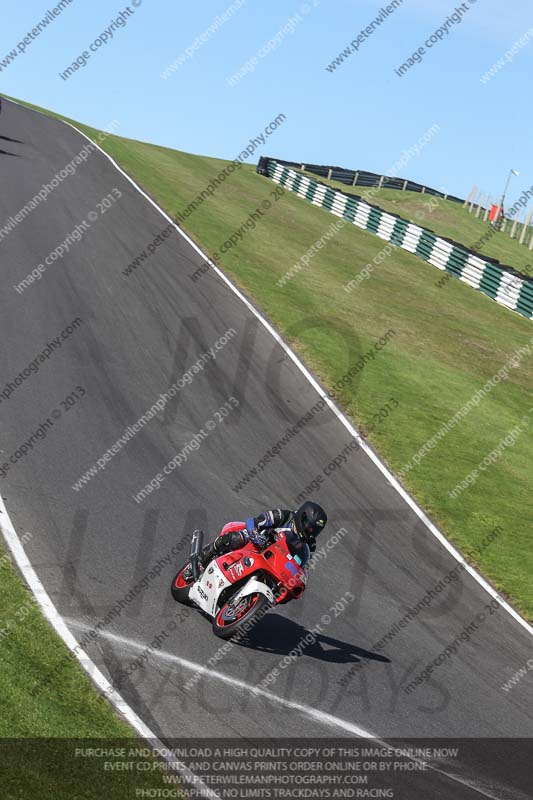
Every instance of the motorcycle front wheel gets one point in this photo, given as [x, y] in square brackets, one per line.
[231, 621]
[180, 588]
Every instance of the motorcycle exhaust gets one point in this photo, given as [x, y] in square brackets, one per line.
[197, 543]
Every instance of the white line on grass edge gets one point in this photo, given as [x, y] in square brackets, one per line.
[48, 608]
[54, 618]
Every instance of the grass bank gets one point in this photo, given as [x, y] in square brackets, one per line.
[449, 219]
[47, 697]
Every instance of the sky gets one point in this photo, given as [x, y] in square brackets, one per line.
[361, 115]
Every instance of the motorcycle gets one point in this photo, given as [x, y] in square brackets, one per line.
[237, 588]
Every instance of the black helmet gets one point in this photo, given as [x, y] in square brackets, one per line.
[309, 520]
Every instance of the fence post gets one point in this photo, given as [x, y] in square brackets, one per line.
[330, 171]
[486, 214]
[480, 203]
[381, 181]
[355, 178]
[303, 167]
[513, 229]
[423, 191]
[472, 195]
[524, 229]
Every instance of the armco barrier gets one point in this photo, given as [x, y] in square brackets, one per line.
[360, 177]
[503, 284]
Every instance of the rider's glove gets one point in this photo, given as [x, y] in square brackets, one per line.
[259, 539]
[255, 536]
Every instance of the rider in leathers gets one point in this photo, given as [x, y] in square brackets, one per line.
[301, 528]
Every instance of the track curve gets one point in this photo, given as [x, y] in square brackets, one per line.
[138, 335]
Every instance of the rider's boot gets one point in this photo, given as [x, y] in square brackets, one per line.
[222, 544]
[207, 554]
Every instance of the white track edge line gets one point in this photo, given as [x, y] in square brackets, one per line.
[51, 613]
[314, 713]
[347, 424]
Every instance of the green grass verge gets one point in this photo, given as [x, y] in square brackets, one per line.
[449, 219]
[448, 342]
[46, 695]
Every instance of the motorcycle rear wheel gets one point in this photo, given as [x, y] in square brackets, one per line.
[228, 623]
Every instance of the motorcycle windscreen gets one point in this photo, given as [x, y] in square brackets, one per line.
[299, 550]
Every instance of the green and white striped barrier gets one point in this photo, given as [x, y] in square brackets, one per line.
[501, 285]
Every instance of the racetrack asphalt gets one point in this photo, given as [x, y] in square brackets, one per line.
[138, 335]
